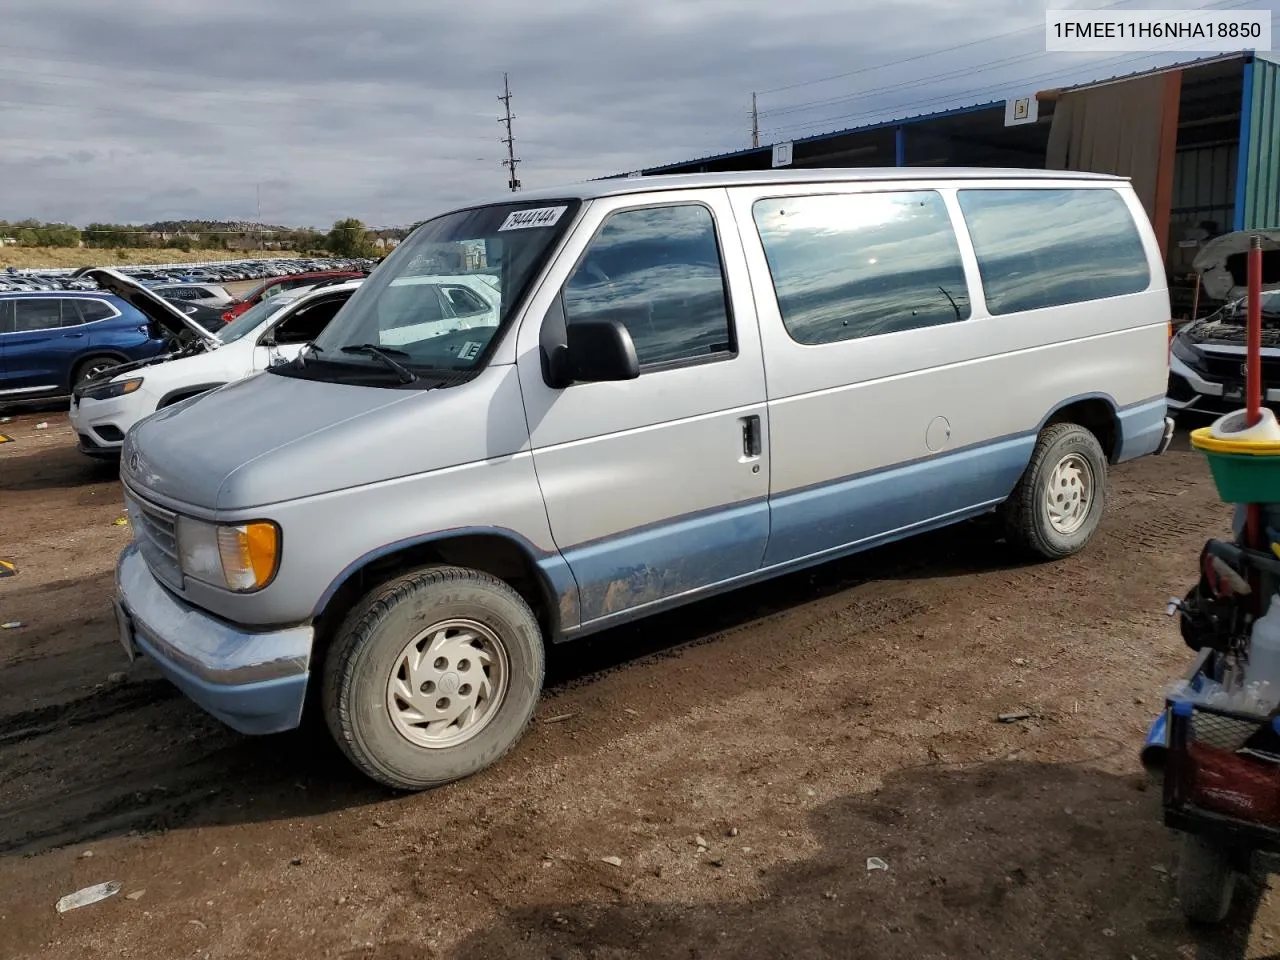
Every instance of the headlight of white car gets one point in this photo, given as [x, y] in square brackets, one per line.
[109, 391]
[242, 557]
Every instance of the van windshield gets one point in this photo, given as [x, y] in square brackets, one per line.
[429, 312]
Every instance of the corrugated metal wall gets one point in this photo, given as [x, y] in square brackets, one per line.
[1204, 185]
[1258, 195]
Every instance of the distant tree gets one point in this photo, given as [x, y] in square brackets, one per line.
[114, 235]
[34, 233]
[180, 242]
[350, 238]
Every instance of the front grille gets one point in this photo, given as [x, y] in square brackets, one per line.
[156, 533]
[1230, 368]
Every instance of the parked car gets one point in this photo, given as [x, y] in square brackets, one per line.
[1207, 358]
[204, 294]
[277, 285]
[50, 342]
[273, 331]
[690, 384]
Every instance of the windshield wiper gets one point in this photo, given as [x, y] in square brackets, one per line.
[384, 354]
[302, 354]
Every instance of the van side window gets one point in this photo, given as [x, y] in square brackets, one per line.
[657, 270]
[860, 265]
[1046, 248]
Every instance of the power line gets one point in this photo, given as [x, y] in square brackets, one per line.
[1054, 74]
[509, 140]
[921, 56]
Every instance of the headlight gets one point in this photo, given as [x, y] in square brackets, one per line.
[108, 391]
[1187, 353]
[242, 557]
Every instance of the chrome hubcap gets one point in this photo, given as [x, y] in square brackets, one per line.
[1069, 493]
[447, 683]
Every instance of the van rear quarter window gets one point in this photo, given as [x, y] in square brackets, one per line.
[1052, 247]
[858, 265]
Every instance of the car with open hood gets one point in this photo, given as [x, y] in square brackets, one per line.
[1207, 359]
[274, 331]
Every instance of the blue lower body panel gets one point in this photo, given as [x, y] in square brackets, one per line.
[1141, 429]
[652, 564]
[863, 508]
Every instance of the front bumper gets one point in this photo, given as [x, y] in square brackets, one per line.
[253, 682]
[101, 425]
[1192, 392]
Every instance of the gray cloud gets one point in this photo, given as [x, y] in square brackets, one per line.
[147, 109]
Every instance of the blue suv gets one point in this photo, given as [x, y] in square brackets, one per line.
[51, 342]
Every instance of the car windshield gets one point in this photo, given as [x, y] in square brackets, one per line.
[437, 302]
[251, 318]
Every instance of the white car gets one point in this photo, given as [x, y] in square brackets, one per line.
[274, 331]
[417, 308]
[203, 294]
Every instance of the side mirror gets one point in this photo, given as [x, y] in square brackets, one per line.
[596, 352]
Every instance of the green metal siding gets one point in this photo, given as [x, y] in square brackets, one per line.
[1261, 207]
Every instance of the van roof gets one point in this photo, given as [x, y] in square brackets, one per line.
[617, 186]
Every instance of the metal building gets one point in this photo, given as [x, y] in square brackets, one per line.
[1200, 140]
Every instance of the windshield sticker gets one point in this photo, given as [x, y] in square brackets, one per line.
[469, 350]
[529, 219]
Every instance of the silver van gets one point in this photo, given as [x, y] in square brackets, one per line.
[642, 391]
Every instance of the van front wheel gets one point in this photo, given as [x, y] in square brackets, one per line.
[1057, 506]
[433, 677]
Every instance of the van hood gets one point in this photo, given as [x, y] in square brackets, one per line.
[162, 315]
[270, 438]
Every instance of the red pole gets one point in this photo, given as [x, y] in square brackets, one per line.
[1253, 373]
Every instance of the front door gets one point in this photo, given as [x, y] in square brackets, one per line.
[655, 487]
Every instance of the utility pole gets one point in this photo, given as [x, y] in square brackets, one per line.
[509, 140]
[258, 188]
[755, 122]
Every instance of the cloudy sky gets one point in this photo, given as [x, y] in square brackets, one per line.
[137, 110]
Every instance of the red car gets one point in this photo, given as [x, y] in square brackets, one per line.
[277, 285]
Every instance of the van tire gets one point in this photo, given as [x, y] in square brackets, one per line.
[371, 651]
[1070, 457]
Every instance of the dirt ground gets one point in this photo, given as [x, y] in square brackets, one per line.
[796, 729]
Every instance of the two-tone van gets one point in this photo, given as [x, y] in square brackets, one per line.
[688, 384]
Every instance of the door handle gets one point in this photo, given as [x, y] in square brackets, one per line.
[752, 442]
[72, 336]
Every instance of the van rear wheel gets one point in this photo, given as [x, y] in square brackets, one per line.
[433, 677]
[1059, 501]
